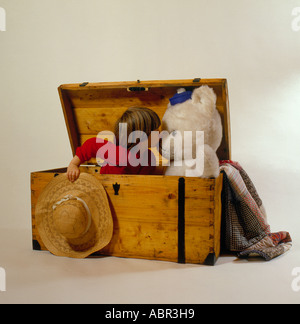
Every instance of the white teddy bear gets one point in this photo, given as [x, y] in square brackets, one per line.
[194, 133]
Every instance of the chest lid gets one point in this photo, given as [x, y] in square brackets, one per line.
[90, 108]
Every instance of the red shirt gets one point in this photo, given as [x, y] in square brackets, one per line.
[118, 161]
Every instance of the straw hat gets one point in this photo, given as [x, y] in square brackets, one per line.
[74, 219]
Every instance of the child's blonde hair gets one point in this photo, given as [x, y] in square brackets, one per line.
[138, 119]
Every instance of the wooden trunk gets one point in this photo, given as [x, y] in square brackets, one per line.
[155, 217]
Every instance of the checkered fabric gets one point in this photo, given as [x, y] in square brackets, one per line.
[245, 228]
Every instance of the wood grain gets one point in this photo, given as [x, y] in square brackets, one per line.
[96, 107]
[145, 214]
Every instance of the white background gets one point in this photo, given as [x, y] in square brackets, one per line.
[51, 42]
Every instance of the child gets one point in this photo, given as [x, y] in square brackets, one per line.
[137, 119]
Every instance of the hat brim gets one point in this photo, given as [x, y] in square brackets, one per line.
[100, 232]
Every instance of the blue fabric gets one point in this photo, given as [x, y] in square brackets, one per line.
[181, 97]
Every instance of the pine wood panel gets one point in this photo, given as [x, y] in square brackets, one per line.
[147, 226]
[96, 107]
[91, 121]
[199, 221]
[111, 98]
[143, 230]
[94, 120]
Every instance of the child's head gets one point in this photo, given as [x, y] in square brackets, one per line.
[138, 119]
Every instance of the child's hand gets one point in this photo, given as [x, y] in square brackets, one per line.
[73, 172]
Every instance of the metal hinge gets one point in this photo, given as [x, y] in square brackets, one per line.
[196, 80]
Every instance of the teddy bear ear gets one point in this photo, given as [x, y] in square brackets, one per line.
[203, 94]
[196, 96]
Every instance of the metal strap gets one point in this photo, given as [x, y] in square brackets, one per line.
[181, 221]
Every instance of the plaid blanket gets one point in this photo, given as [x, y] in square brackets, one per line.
[245, 228]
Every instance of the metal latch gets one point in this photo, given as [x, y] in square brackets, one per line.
[137, 89]
[197, 80]
[116, 187]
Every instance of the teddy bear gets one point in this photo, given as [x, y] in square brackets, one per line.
[193, 132]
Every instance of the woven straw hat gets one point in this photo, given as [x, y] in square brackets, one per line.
[74, 219]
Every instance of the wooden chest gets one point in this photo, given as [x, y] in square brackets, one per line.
[155, 217]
